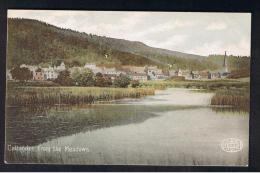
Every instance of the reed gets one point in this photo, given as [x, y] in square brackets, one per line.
[236, 98]
[208, 85]
[41, 96]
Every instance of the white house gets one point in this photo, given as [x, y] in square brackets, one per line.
[178, 72]
[94, 68]
[50, 73]
[138, 76]
[153, 72]
[112, 71]
[160, 76]
[60, 68]
[90, 66]
[172, 73]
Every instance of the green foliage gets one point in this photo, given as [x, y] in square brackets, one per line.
[122, 81]
[21, 74]
[186, 63]
[107, 81]
[76, 76]
[210, 85]
[102, 80]
[234, 62]
[99, 80]
[74, 63]
[135, 83]
[64, 78]
[33, 42]
[177, 78]
[44, 96]
[84, 77]
[56, 62]
[233, 97]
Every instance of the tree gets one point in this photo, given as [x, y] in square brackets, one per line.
[64, 78]
[135, 83]
[87, 77]
[76, 76]
[21, 74]
[83, 77]
[107, 81]
[57, 62]
[74, 63]
[102, 80]
[122, 81]
[99, 80]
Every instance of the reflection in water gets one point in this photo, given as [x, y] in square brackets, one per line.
[174, 127]
[27, 126]
[235, 110]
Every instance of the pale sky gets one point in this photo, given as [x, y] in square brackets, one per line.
[189, 32]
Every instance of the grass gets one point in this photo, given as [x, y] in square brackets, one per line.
[235, 98]
[206, 84]
[40, 96]
[229, 92]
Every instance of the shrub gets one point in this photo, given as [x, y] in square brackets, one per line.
[135, 83]
[64, 78]
[21, 74]
[178, 78]
[84, 77]
[122, 81]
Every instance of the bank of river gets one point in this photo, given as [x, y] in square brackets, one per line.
[173, 127]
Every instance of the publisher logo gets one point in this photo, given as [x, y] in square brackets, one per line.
[231, 145]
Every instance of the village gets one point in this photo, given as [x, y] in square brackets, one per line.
[137, 73]
[133, 72]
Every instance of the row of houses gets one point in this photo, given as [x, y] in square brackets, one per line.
[49, 73]
[134, 72]
[198, 75]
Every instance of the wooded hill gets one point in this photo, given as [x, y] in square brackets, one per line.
[34, 42]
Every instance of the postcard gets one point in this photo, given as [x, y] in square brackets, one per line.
[127, 88]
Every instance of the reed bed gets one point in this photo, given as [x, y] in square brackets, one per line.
[228, 92]
[235, 98]
[208, 85]
[41, 96]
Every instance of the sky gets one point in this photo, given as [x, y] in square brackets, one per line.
[189, 32]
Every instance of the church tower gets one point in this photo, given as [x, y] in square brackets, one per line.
[225, 66]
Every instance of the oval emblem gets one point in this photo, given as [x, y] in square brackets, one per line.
[231, 145]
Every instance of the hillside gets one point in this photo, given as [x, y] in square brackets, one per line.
[35, 42]
[234, 63]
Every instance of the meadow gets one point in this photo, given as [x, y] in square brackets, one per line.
[228, 92]
[41, 96]
[210, 85]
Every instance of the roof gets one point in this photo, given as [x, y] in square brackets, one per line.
[38, 70]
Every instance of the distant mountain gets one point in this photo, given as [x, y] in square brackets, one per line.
[34, 42]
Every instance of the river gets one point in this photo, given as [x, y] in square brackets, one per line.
[176, 127]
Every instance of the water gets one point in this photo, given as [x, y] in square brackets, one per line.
[173, 127]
